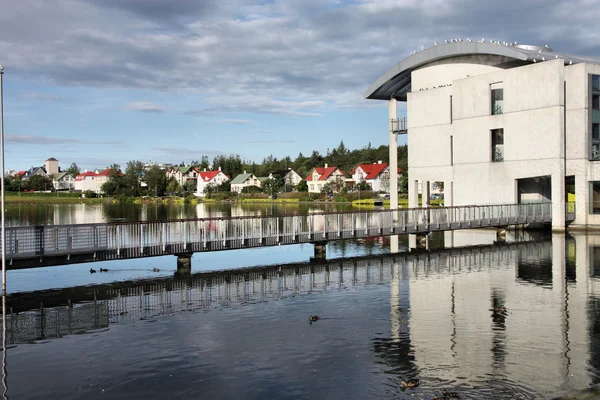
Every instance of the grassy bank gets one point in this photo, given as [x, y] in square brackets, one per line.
[50, 199]
[401, 202]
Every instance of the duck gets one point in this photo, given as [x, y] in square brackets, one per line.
[103, 270]
[411, 383]
[451, 395]
[92, 271]
[155, 269]
[313, 318]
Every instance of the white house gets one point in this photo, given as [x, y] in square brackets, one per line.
[243, 181]
[500, 123]
[209, 178]
[377, 176]
[182, 174]
[62, 181]
[289, 176]
[92, 180]
[319, 177]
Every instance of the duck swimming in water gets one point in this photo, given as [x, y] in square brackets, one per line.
[451, 395]
[92, 271]
[155, 269]
[103, 270]
[313, 318]
[409, 384]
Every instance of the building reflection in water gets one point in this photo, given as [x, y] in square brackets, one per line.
[525, 312]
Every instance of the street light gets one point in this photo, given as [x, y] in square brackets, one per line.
[2, 187]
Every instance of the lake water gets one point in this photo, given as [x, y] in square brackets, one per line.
[519, 320]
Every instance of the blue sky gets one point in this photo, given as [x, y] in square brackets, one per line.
[102, 82]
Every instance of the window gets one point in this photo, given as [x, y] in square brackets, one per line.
[497, 145]
[595, 141]
[497, 94]
[594, 127]
[595, 197]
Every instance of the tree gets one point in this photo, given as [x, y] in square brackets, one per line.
[133, 178]
[190, 186]
[273, 185]
[173, 187]
[302, 186]
[115, 184]
[73, 170]
[156, 180]
[13, 183]
[38, 183]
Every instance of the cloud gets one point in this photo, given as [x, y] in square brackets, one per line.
[270, 141]
[145, 106]
[39, 96]
[236, 121]
[174, 152]
[38, 140]
[286, 54]
[260, 104]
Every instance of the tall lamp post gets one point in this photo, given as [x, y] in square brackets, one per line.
[2, 186]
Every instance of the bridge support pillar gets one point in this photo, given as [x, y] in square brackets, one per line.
[418, 241]
[320, 251]
[184, 263]
[412, 241]
[501, 235]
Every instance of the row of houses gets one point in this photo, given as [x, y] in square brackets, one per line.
[376, 176]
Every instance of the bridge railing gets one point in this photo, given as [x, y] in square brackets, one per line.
[174, 236]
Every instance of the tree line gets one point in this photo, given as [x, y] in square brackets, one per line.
[127, 182]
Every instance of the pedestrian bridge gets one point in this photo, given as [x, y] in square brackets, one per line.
[37, 246]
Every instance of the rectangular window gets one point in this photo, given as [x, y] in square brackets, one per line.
[497, 95]
[594, 137]
[595, 141]
[451, 150]
[497, 145]
[595, 197]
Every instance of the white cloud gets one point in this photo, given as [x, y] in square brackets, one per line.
[300, 58]
[236, 121]
[145, 106]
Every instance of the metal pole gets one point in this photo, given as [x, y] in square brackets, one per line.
[2, 186]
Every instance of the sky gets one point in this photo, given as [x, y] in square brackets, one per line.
[102, 82]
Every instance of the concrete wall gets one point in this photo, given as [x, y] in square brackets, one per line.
[532, 123]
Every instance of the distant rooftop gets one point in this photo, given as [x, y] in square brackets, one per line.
[396, 82]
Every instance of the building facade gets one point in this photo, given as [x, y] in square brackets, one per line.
[319, 177]
[245, 180]
[209, 178]
[377, 176]
[500, 123]
[92, 180]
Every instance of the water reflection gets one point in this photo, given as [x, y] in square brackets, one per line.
[57, 214]
[495, 322]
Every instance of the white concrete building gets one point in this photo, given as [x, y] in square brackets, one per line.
[499, 123]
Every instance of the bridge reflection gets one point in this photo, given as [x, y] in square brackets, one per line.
[50, 314]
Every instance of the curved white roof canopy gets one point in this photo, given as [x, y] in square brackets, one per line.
[396, 82]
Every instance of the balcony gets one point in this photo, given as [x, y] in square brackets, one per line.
[398, 125]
